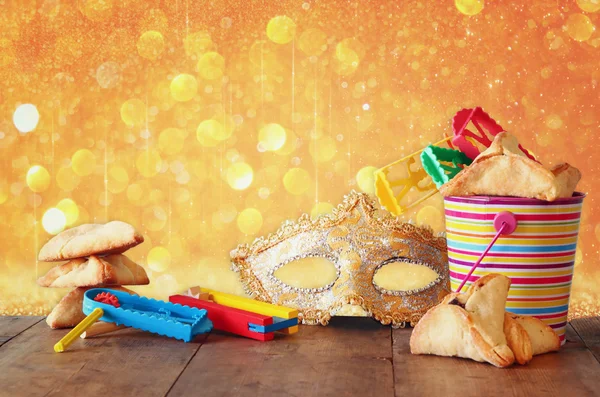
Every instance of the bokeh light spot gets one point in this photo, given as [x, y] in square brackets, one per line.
[83, 162]
[70, 210]
[108, 75]
[432, 216]
[155, 19]
[323, 149]
[578, 257]
[297, 181]
[150, 45]
[157, 195]
[204, 136]
[7, 52]
[171, 140]
[67, 179]
[38, 178]
[249, 221]
[210, 132]
[239, 176]
[26, 117]
[96, 10]
[197, 43]
[554, 122]
[272, 136]
[211, 66]
[346, 59]
[469, 7]
[589, 5]
[159, 259]
[365, 178]
[262, 54]
[313, 41]
[133, 112]
[166, 285]
[291, 143]
[183, 87]
[4, 191]
[105, 199]
[227, 213]
[226, 23]
[148, 163]
[320, 208]
[545, 138]
[546, 72]
[118, 179]
[137, 194]
[579, 27]
[154, 218]
[54, 221]
[281, 29]
[264, 193]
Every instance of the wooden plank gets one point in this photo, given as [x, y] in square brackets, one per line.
[348, 357]
[572, 371]
[589, 331]
[11, 326]
[29, 366]
[128, 362]
[351, 356]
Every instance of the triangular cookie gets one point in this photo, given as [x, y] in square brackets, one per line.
[504, 170]
[91, 239]
[95, 272]
[469, 325]
[474, 325]
[518, 340]
[567, 178]
[68, 312]
[541, 336]
[503, 144]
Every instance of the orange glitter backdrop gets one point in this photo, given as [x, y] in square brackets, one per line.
[207, 123]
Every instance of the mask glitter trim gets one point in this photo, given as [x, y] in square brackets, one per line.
[358, 239]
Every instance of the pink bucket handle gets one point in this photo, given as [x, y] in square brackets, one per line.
[505, 223]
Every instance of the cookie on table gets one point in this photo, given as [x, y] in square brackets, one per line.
[468, 325]
[474, 325]
[68, 312]
[542, 337]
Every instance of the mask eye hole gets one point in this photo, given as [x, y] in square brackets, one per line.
[313, 273]
[401, 276]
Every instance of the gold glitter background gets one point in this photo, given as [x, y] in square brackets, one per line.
[206, 124]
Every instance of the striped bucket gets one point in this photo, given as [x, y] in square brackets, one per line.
[538, 256]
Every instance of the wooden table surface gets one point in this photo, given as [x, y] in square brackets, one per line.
[351, 356]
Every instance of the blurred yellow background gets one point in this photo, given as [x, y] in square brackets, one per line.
[206, 124]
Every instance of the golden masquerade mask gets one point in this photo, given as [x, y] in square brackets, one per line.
[395, 271]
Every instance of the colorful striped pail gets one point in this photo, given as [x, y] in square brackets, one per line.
[538, 256]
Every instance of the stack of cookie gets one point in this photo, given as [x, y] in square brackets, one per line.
[474, 325]
[95, 259]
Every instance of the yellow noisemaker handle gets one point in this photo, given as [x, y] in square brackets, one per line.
[62, 344]
[254, 306]
[403, 184]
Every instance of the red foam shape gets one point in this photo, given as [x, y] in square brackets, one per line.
[228, 319]
[108, 298]
[484, 125]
